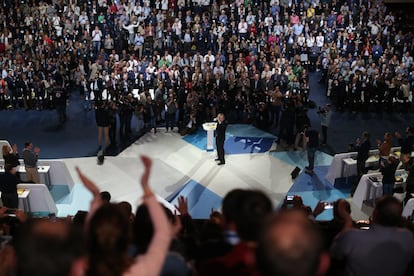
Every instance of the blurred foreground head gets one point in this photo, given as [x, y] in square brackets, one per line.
[47, 247]
[291, 245]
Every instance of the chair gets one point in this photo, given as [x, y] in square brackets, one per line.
[2, 143]
[408, 208]
[40, 199]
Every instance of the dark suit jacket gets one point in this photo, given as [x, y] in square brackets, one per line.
[267, 85]
[221, 132]
[363, 150]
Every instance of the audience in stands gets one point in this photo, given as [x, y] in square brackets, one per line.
[236, 56]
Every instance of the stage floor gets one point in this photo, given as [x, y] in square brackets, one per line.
[182, 166]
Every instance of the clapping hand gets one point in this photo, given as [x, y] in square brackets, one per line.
[182, 205]
[96, 200]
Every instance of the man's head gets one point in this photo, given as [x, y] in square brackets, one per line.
[387, 211]
[28, 145]
[291, 244]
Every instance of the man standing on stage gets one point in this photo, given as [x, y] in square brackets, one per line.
[312, 139]
[220, 138]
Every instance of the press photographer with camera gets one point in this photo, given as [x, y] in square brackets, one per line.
[325, 115]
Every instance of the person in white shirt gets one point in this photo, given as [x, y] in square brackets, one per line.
[320, 40]
[96, 39]
[242, 28]
[83, 18]
[131, 30]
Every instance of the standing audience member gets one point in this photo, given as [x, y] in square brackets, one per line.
[384, 148]
[8, 187]
[384, 249]
[362, 147]
[30, 155]
[312, 141]
[325, 115]
[387, 169]
[406, 143]
[10, 156]
[107, 251]
[408, 165]
[102, 117]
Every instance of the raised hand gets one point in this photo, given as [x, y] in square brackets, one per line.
[182, 206]
[15, 148]
[90, 185]
[147, 162]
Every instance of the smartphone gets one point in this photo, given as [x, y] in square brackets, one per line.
[328, 205]
[289, 197]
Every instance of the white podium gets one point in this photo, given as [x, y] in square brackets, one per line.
[210, 128]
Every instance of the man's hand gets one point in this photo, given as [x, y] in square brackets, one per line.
[36, 150]
[319, 208]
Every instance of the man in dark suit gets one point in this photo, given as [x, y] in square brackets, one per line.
[362, 148]
[220, 138]
[312, 139]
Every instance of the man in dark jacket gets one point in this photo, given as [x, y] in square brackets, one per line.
[362, 148]
[220, 138]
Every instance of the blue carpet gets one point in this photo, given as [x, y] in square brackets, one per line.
[78, 199]
[59, 192]
[317, 182]
[311, 198]
[200, 199]
[240, 145]
[316, 188]
[239, 140]
[299, 158]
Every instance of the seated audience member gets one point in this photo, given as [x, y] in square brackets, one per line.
[254, 207]
[108, 235]
[384, 249]
[291, 244]
[8, 187]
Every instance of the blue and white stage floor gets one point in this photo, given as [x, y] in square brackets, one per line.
[182, 166]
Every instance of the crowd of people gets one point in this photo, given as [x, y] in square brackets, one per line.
[247, 238]
[185, 61]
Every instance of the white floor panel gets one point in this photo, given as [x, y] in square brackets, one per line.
[175, 162]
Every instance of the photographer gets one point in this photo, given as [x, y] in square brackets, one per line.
[325, 115]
